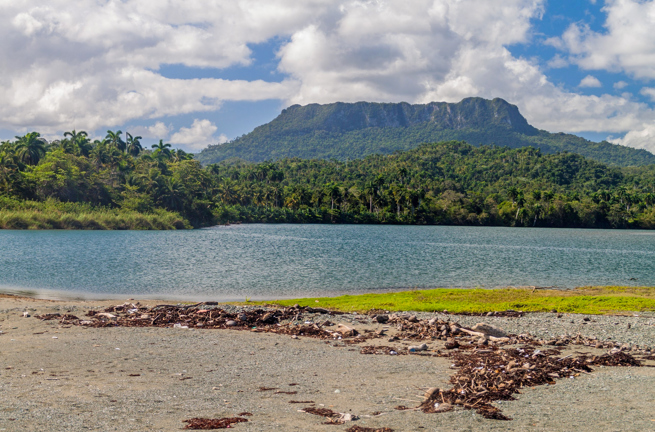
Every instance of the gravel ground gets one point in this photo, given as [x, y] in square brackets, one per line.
[78, 379]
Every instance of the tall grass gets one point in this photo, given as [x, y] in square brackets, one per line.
[53, 214]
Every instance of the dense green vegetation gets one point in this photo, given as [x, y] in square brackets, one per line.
[587, 300]
[351, 131]
[75, 183]
[447, 183]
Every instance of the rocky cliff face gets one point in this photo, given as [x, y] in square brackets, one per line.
[344, 117]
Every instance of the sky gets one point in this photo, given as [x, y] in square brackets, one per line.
[199, 72]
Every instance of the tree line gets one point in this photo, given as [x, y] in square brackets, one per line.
[445, 183]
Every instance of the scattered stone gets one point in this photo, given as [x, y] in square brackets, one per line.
[417, 348]
[489, 329]
[382, 319]
[346, 331]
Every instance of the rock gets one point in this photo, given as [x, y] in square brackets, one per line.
[422, 347]
[231, 323]
[347, 417]
[489, 329]
[242, 317]
[412, 319]
[382, 319]
[442, 407]
[433, 321]
[586, 319]
[452, 344]
[346, 331]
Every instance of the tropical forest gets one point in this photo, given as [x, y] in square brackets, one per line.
[116, 183]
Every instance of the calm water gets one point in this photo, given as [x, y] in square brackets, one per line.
[276, 261]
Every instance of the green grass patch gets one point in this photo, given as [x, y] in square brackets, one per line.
[586, 300]
[51, 214]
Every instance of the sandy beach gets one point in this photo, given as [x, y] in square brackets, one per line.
[76, 378]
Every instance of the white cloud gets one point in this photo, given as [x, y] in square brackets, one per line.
[590, 81]
[95, 64]
[159, 130]
[619, 85]
[643, 138]
[557, 62]
[648, 91]
[626, 44]
[198, 136]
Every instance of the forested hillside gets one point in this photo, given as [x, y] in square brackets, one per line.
[116, 184]
[346, 131]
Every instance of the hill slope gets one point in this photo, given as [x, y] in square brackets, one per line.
[346, 131]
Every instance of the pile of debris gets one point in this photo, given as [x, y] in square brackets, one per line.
[209, 424]
[487, 376]
[333, 417]
[287, 321]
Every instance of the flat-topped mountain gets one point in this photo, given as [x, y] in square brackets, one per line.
[353, 130]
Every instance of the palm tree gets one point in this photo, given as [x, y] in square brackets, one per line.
[74, 135]
[162, 149]
[171, 193]
[30, 148]
[77, 143]
[8, 168]
[114, 140]
[332, 191]
[133, 145]
[369, 190]
[180, 155]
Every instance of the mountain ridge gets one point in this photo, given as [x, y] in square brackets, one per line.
[353, 130]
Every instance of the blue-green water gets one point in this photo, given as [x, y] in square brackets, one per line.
[276, 261]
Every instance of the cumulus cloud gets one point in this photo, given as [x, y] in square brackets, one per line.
[626, 44]
[590, 81]
[198, 136]
[557, 62]
[648, 91]
[619, 85]
[95, 64]
[159, 130]
[643, 138]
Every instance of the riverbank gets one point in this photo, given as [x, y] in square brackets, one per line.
[58, 376]
[52, 214]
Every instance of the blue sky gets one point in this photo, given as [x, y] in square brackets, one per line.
[198, 72]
